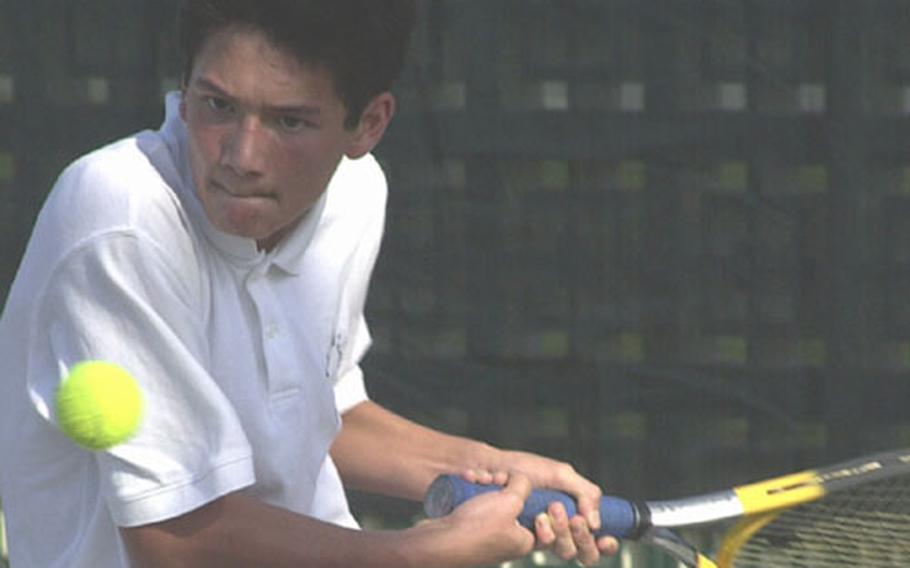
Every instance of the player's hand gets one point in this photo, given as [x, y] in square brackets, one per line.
[567, 538]
[484, 530]
[570, 538]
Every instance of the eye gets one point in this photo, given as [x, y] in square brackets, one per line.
[218, 105]
[292, 123]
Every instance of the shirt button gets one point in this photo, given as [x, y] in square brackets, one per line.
[271, 331]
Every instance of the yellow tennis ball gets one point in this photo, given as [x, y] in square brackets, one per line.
[98, 405]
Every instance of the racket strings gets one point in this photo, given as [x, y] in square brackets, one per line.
[865, 526]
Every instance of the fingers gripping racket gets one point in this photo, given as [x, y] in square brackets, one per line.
[855, 513]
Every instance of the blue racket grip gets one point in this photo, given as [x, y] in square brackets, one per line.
[619, 518]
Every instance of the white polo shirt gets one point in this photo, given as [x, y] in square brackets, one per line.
[245, 358]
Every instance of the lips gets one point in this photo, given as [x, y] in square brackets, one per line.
[245, 194]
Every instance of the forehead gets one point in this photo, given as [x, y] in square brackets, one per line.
[246, 60]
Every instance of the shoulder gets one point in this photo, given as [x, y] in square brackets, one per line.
[112, 182]
[121, 190]
[360, 181]
[357, 194]
[125, 186]
[352, 220]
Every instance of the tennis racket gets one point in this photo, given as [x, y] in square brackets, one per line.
[855, 514]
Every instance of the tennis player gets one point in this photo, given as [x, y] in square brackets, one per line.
[224, 260]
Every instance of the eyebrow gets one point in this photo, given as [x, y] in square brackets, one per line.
[301, 109]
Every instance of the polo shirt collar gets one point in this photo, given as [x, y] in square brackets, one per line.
[287, 254]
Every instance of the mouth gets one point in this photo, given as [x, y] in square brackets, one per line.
[244, 194]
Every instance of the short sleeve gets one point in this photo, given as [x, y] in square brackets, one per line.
[362, 189]
[117, 297]
[350, 389]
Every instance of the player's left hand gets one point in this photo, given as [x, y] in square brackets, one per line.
[555, 531]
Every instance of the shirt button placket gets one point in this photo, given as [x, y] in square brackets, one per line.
[278, 355]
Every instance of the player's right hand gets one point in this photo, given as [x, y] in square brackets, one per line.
[485, 530]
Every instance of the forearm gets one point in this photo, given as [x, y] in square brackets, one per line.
[240, 531]
[381, 452]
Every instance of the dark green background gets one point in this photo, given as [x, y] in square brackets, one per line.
[663, 239]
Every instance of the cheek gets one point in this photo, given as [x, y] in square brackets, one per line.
[311, 161]
[309, 177]
[205, 147]
[204, 140]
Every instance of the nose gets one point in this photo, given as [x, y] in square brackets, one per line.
[243, 149]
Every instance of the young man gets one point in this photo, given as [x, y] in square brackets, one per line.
[224, 260]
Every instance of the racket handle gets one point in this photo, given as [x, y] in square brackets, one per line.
[619, 518]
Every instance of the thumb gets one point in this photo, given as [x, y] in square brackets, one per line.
[519, 486]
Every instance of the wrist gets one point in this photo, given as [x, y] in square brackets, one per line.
[428, 543]
[486, 457]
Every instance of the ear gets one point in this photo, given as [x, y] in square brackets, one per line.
[375, 118]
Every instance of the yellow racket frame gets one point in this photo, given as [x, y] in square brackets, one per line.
[762, 502]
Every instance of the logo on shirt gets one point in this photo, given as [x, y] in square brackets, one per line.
[333, 357]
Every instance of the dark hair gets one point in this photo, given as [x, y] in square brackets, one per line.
[362, 43]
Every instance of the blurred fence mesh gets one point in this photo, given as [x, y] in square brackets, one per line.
[665, 240]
